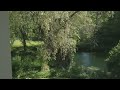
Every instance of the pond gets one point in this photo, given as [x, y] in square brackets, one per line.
[91, 59]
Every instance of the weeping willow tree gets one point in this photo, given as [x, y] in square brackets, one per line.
[58, 38]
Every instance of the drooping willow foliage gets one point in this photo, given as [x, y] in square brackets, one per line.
[58, 38]
[52, 27]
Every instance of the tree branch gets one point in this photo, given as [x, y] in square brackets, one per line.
[73, 14]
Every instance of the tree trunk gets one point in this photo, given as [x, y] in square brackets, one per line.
[23, 39]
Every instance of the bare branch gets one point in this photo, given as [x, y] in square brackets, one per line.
[73, 14]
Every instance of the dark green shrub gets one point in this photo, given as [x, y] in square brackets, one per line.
[113, 62]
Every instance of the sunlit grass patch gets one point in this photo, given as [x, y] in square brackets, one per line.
[18, 43]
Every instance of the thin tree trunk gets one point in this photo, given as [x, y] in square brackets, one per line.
[23, 39]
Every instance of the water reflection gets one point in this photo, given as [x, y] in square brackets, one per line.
[85, 57]
[91, 59]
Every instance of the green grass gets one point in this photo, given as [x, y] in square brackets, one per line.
[18, 43]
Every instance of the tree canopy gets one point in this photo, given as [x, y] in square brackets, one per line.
[59, 34]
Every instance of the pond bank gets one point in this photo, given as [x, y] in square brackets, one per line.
[96, 59]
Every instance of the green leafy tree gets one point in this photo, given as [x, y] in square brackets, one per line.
[113, 62]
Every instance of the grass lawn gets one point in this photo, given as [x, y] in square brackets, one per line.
[18, 43]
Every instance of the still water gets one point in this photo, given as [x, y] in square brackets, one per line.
[91, 59]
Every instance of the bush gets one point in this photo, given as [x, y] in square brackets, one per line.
[16, 61]
[83, 72]
[80, 72]
[25, 67]
[113, 62]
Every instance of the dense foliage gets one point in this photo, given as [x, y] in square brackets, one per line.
[113, 62]
[44, 43]
[108, 35]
